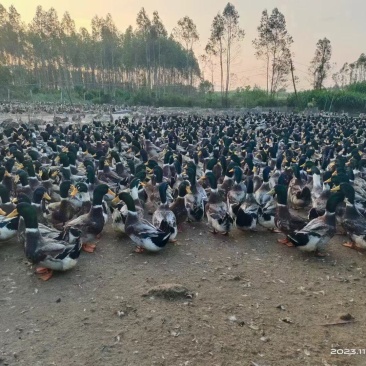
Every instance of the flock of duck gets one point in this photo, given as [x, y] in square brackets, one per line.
[60, 185]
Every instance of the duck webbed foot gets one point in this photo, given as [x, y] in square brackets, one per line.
[320, 254]
[89, 248]
[285, 242]
[44, 273]
[352, 245]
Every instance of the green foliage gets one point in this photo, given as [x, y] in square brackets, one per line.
[329, 100]
[357, 87]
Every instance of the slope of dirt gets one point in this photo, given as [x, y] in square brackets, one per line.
[252, 302]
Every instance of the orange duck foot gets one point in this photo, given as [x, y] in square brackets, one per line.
[41, 270]
[321, 254]
[352, 245]
[89, 248]
[46, 276]
[285, 242]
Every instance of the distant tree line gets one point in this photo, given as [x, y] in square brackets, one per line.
[146, 64]
[51, 53]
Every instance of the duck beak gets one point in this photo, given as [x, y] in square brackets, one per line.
[16, 179]
[188, 189]
[272, 192]
[336, 189]
[57, 159]
[111, 193]
[116, 200]
[328, 180]
[2, 212]
[7, 174]
[334, 173]
[231, 171]
[14, 213]
[46, 196]
[143, 184]
[348, 163]
[54, 174]
[14, 200]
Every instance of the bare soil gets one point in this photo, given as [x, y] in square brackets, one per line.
[250, 301]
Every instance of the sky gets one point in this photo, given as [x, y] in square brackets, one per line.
[341, 21]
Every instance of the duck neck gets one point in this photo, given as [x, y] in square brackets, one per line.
[330, 218]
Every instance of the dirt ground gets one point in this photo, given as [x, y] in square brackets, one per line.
[256, 302]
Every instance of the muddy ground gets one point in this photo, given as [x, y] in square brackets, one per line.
[255, 302]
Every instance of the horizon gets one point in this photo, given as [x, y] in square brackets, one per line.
[325, 21]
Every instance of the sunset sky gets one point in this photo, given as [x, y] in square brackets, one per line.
[341, 21]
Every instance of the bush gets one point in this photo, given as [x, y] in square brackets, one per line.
[329, 100]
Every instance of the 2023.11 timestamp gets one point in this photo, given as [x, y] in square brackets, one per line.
[348, 351]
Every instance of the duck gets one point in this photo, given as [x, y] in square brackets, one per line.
[80, 198]
[261, 194]
[92, 223]
[353, 222]
[318, 232]
[228, 181]
[59, 253]
[236, 195]
[284, 220]
[164, 218]
[266, 215]
[273, 180]
[32, 178]
[119, 215]
[144, 234]
[134, 191]
[319, 199]
[7, 178]
[178, 207]
[8, 226]
[6, 205]
[40, 196]
[196, 200]
[299, 194]
[152, 190]
[61, 212]
[247, 215]
[107, 175]
[22, 178]
[218, 216]
[47, 183]
[257, 181]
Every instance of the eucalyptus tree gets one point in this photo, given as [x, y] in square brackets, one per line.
[186, 33]
[232, 34]
[273, 46]
[226, 34]
[215, 46]
[320, 65]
